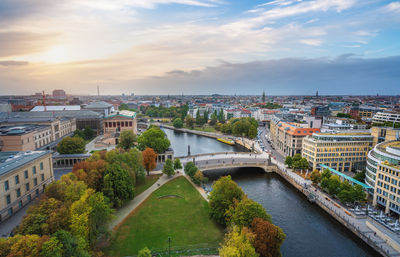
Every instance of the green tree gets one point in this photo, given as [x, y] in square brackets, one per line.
[88, 133]
[268, 238]
[289, 161]
[333, 185]
[242, 213]
[315, 176]
[168, 168]
[326, 174]
[51, 248]
[360, 176]
[123, 106]
[177, 164]
[126, 139]
[154, 138]
[199, 119]
[358, 193]
[190, 169]
[345, 196]
[145, 252]
[238, 243]
[177, 123]
[224, 192]
[118, 185]
[205, 117]
[324, 183]
[189, 121]
[71, 145]
[71, 246]
[214, 118]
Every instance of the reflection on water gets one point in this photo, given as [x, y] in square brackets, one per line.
[309, 230]
[198, 144]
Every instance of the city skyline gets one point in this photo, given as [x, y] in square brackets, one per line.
[284, 47]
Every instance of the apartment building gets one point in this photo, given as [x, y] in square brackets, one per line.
[342, 151]
[23, 177]
[385, 167]
[387, 116]
[288, 136]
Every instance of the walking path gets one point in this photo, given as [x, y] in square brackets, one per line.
[124, 212]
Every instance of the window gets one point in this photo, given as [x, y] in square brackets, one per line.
[6, 185]
[34, 170]
[10, 211]
[42, 176]
[29, 197]
[26, 174]
[35, 182]
[27, 186]
[8, 199]
[41, 166]
[37, 192]
[20, 204]
[18, 191]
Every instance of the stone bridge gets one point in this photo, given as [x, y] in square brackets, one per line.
[228, 160]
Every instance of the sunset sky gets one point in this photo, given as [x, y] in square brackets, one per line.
[200, 46]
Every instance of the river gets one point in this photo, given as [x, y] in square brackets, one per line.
[309, 230]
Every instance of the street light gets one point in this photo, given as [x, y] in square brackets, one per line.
[169, 246]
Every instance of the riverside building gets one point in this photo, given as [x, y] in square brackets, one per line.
[383, 173]
[342, 151]
[23, 177]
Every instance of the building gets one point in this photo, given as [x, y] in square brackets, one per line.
[53, 108]
[320, 111]
[382, 152]
[381, 117]
[118, 122]
[383, 173]
[101, 107]
[25, 137]
[288, 136]
[382, 134]
[23, 177]
[59, 94]
[342, 151]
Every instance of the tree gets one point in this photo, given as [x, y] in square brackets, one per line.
[123, 106]
[198, 177]
[224, 192]
[214, 118]
[243, 212]
[199, 119]
[324, 183]
[88, 133]
[345, 196]
[358, 193]
[289, 161]
[315, 176]
[118, 185]
[326, 174]
[238, 244]
[154, 138]
[71, 145]
[126, 139]
[145, 252]
[303, 164]
[333, 185]
[177, 164]
[189, 121]
[177, 123]
[190, 169]
[360, 176]
[149, 159]
[168, 168]
[205, 117]
[71, 246]
[268, 238]
[51, 248]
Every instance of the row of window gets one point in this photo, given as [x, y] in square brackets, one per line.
[390, 171]
[115, 124]
[26, 176]
[27, 188]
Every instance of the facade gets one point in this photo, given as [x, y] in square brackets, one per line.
[120, 121]
[288, 136]
[386, 158]
[380, 117]
[340, 151]
[101, 107]
[59, 94]
[24, 137]
[23, 177]
[382, 134]
[320, 111]
[382, 152]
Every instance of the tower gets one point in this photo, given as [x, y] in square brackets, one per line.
[316, 94]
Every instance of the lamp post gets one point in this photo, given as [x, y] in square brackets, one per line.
[169, 246]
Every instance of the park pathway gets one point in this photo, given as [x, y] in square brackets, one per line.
[130, 206]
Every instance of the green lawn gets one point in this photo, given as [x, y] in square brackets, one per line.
[185, 220]
[150, 180]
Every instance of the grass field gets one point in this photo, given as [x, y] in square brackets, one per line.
[150, 180]
[185, 220]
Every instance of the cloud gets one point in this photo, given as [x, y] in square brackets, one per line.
[13, 63]
[393, 7]
[311, 41]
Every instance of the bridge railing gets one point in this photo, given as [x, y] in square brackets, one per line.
[214, 154]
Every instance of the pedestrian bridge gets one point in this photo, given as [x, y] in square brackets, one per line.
[228, 160]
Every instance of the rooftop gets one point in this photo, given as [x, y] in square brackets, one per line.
[20, 130]
[124, 113]
[9, 161]
[99, 104]
[40, 108]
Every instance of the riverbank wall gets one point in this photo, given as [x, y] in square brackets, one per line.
[345, 221]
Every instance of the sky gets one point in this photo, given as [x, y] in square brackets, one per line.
[282, 47]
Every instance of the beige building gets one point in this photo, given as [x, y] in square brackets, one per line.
[382, 134]
[120, 121]
[23, 177]
[386, 157]
[342, 151]
[288, 136]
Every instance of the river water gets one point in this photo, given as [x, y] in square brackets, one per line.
[310, 232]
